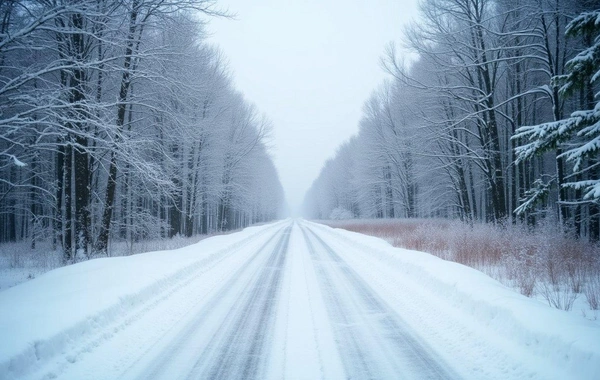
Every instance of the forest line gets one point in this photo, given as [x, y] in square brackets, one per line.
[497, 120]
[119, 121]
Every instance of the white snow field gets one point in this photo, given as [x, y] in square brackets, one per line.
[293, 300]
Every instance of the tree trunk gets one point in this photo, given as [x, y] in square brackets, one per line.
[102, 242]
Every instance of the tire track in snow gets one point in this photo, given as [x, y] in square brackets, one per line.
[373, 340]
[349, 344]
[239, 348]
[183, 338]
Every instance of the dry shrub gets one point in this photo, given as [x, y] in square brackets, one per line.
[526, 280]
[478, 246]
[592, 290]
[565, 264]
[557, 296]
[519, 264]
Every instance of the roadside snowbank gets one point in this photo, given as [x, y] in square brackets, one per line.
[550, 336]
[43, 316]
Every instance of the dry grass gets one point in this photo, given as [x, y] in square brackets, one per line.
[545, 262]
[592, 291]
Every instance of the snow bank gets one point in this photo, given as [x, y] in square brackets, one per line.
[42, 317]
[557, 338]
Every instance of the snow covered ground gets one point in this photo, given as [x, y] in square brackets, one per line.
[291, 299]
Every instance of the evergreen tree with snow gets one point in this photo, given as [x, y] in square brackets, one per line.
[576, 138]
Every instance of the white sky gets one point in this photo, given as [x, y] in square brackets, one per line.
[309, 65]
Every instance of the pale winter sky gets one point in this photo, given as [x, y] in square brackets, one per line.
[309, 65]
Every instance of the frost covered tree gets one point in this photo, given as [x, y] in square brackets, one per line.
[380, 172]
[483, 69]
[118, 121]
[577, 137]
[460, 37]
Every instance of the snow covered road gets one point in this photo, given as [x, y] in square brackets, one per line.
[289, 300]
[371, 338]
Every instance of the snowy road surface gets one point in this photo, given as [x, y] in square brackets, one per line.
[289, 300]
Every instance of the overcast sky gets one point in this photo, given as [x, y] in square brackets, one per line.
[309, 65]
